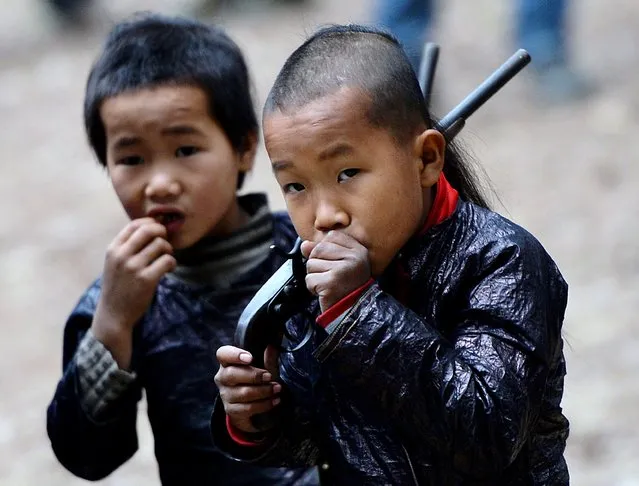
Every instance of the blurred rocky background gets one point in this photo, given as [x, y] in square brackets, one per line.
[568, 172]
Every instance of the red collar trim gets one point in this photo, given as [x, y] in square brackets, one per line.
[444, 204]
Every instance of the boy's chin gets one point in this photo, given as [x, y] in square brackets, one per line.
[181, 242]
[184, 240]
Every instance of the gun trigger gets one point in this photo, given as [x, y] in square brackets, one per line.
[279, 309]
[289, 290]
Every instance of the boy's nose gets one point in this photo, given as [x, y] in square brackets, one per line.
[329, 217]
[162, 186]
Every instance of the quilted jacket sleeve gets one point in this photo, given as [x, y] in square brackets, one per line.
[88, 447]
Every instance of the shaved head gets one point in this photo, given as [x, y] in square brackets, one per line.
[373, 62]
[358, 57]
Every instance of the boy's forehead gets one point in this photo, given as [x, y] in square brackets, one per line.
[184, 93]
[328, 127]
[185, 99]
[154, 108]
[347, 105]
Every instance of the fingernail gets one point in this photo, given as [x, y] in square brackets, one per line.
[276, 401]
[245, 357]
[277, 388]
[266, 377]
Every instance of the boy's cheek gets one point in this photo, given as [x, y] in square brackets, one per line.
[302, 218]
[132, 206]
[133, 211]
[378, 263]
[304, 230]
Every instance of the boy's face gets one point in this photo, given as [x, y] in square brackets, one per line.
[338, 172]
[169, 159]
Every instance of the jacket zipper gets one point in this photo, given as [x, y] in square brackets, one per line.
[410, 463]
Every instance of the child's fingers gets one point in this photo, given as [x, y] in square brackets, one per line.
[317, 265]
[307, 247]
[128, 230]
[272, 361]
[234, 375]
[125, 233]
[249, 394]
[245, 410]
[141, 237]
[342, 239]
[231, 355]
[328, 250]
[151, 252]
[159, 268]
[316, 282]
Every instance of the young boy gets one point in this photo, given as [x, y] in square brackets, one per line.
[437, 356]
[168, 112]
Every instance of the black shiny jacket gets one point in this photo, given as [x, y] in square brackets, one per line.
[459, 385]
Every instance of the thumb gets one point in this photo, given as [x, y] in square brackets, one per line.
[307, 248]
[272, 361]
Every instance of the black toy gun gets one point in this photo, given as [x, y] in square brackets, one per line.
[284, 295]
[280, 298]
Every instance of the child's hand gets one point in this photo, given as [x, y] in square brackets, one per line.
[246, 391]
[135, 262]
[336, 266]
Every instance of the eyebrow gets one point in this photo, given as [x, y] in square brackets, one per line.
[338, 150]
[335, 151]
[281, 165]
[181, 130]
[124, 142]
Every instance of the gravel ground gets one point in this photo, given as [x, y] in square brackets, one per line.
[564, 172]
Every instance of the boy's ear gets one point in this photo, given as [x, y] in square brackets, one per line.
[247, 152]
[430, 147]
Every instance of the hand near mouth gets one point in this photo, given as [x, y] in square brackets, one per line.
[171, 218]
[336, 266]
[165, 214]
[135, 262]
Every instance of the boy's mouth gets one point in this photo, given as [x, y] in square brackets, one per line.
[168, 217]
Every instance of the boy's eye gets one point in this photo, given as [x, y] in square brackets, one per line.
[131, 160]
[186, 151]
[347, 174]
[293, 188]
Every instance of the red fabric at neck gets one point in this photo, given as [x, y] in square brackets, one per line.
[444, 204]
[443, 207]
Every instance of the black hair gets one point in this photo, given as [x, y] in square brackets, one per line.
[150, 50]
[373, 61]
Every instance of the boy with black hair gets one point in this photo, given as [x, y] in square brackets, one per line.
[437, 355]
[169, 114]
